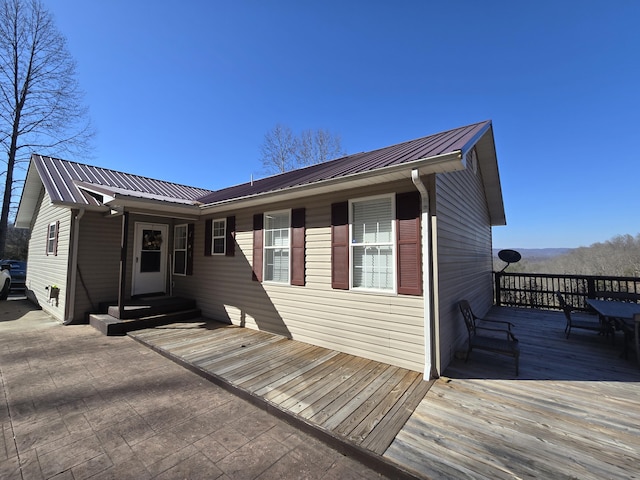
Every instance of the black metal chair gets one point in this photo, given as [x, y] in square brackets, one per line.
[584, 323]
[496, 340]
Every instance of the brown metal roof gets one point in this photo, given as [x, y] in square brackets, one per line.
[67, 182]
[459, 139]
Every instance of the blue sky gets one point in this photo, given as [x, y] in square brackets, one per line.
[185, 91]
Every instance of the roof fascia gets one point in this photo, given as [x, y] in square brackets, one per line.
[487, 158]
[29, 198]
[151, 205]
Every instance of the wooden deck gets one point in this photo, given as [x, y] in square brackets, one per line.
[351, 399]
[574, 411]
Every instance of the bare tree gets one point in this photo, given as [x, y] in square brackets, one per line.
[282, 150]
[317, 147]
[279, 150]
[40, 100]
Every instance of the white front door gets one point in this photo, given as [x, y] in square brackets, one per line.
[150, 258]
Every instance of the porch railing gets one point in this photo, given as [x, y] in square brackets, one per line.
[538, 290]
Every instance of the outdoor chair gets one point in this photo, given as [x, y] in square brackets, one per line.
[496, 338]
[584, 323]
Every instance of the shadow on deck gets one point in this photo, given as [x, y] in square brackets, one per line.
[356, 405]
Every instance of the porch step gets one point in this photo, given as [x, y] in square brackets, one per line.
[146, 307]
[110, 325]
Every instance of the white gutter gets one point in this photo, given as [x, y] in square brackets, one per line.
[426, 272]
[71, 297]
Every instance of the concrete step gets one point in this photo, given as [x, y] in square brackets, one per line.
[146, 307]
[110, 325]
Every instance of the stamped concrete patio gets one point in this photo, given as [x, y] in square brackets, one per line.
[75, 404]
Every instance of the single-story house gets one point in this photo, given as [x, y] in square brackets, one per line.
[367, 254]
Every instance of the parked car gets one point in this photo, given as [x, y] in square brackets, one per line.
[18, 273]
[5, 278]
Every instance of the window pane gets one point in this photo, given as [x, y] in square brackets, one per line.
[372, 221]
[180, 240]
[275, 221]
[277, 265]
[151, 240]
[218, 245]
[373, 267]
[180, 265]
[277, 238]
[219, 228]
[150, 261]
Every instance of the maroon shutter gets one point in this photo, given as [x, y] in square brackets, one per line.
[208, 234]
[231, 236]
[55, 243]
[409, 255]
[340, 245]
[257, 246]
[190, 235]
[297, 246]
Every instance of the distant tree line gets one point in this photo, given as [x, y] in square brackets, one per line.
[619, 256]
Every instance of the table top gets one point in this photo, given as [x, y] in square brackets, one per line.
[613, 308]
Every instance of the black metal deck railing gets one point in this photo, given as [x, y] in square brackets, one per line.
[538, 290]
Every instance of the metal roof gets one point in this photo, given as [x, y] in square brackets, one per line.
[459, 139]
[75, 184]
[67, 182]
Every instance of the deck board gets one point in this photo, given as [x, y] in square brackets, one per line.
[342, 394]
[573, 412]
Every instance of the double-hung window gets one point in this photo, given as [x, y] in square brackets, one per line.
[180, 250]
[276, 246]
[372, 244]
[52, 238]
[219, 237]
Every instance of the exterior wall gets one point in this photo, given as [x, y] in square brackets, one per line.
[386, 328]
[46, 270]
[98, 263]
[464, 255]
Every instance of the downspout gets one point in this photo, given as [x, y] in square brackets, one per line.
[71, 293]
[426, 275]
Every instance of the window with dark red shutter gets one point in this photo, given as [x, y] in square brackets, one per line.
[258, 223]
[231, 236]
[190, 239]
[340, 245]
[409, 244]
[298, 246]
[208, 230]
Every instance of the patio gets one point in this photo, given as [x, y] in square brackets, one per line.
[573, 412]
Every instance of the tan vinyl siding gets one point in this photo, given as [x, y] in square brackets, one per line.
[98, 262]
[464, 255]
[46, 270]
[387, 328]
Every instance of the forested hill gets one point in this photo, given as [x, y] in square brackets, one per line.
[537, 253]
[619, 256]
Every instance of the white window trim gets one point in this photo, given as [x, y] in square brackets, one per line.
[393, 243]
[186, 246]
[51, 241]
[213, 236]
[265, 248]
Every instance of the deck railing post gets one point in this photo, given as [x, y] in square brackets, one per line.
[497, 276]
[591, 287]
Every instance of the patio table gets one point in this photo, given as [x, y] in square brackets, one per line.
[623, 316]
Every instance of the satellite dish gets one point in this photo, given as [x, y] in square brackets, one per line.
[509, 256]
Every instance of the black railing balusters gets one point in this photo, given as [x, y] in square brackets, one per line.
[537, 290]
